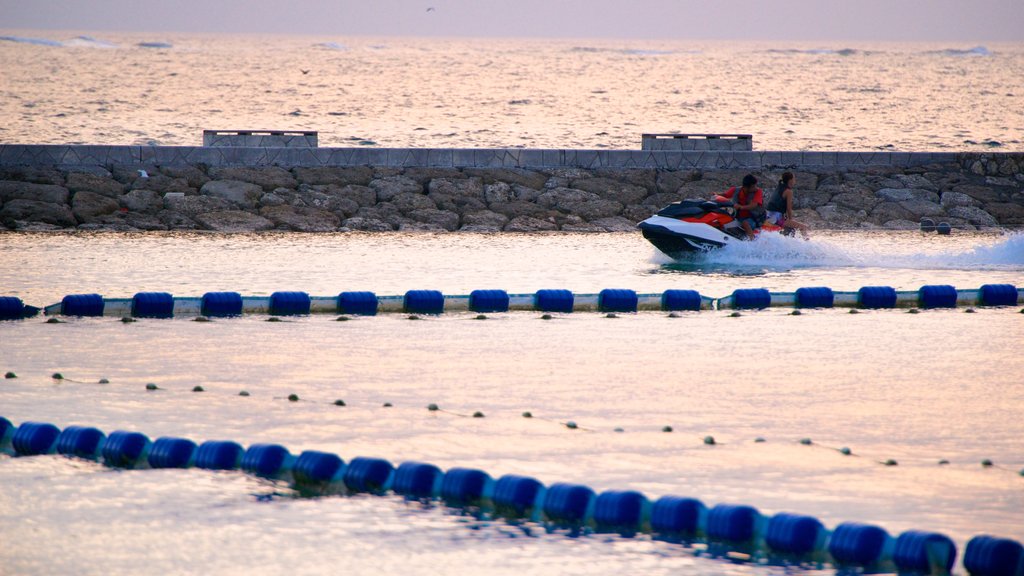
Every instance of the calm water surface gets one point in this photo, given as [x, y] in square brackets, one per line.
[889, 385]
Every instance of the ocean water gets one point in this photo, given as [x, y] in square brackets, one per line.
[915, 388]
[114, 88]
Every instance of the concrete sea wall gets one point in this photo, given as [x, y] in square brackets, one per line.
[238, 189]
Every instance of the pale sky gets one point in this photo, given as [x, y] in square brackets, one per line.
[965, 21]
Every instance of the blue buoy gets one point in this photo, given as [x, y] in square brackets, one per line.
[818, 297]
[569, 504]
[678, 517]
[153, 305]
[423, 302]
[266, 460]
[991, 556]
[216, 304]
[465, 487]
[794, 534]
[82, 305]
[927, 225]
[856, 544]
[943, 228]
[673, 300]
[417, 480]
[517, 496]
[316, 468]
[170, 452]
[6, 433]
[371, 475]
[620, 511]
[125, 449]
[732, 523]
[34, 438]
[924, 552]
[876, 297]
[81, 441]
[617, 300]
[218, 455]
[943, 296]
[357, 303]
[998, 295]
[751, 298]
[289, 303]
[11, 308]
[553, 301]
[487, 301]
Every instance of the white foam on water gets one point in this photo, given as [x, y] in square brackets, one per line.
[89, 42]
[331, 46]
[38, 41]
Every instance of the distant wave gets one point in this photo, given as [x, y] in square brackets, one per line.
[815, 51]
[89, 42]
[331, 46]
[630, 51]
[39, 41]
[976, 51]
[154, 45]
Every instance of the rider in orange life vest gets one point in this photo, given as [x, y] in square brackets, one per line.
[748, 197]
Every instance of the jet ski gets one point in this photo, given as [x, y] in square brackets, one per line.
[696, 225]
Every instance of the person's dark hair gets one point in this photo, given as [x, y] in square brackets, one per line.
[786, 177]
[749, 180]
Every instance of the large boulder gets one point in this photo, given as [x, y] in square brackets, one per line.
[162, 184]
[661, 199]
[48, 193]
[268, 177]
[983, 194]
[646, 178]
[32, 174]
[704, 188]
[921, 208]
[390, 186]
[530, 224]
[670, 181]
[88, 206]
[361, 195]
[176, 220]
[615, 224]
[192, 174]
[330, 198]
[516, 209]
[900, 225]
[367, 224]
[485, 218]
[385, 212]
[1007, 213]
[612, 189]
[441, 218]
[497, 192]
[237, 192]
[906, 194]
[191, 206]
[593, 209]
[852, 197]
[951, 199]
[144, 201]
[464, 187]
[301, 219]
[916, 181]
[36, 211]
[408, 201]
[974, 215]
[520, 176]
[334, 175]
[638, 212]
[104, 186]
[233, 221]
[561, 196]
[148, 222]
[424, 174]
[888, 211]
[839, 218]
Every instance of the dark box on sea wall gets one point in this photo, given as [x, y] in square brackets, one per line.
[261, 138]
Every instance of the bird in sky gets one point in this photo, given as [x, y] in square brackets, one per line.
[303, 71]
[430, 9]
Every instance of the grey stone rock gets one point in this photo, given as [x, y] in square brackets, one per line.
[615, 224]
[584, 227]
[27, 226]
[974, 215]
[233, 221]
[191, 206]
[35, 211]
[906, 194]
[638, 212]
[48, 193]
[704, 189]
[385, 212]
[88, 206]
[407, 202]
[485, 218]
[414, 226]
[191, 173]
[466, 187]
[77, 182]
[367, 224]
[530, 224]
[978, 167]
[836, 217]
[852, 197]
[999, 181]
[239, 193]
[804, 198]
[497, 192]
[920, 208]
[389, 187]
[559, 197]
[268, 178]
[594, 209]
[361, 195]
[556, 182]
[441, 218]
[510, 176]
[950, 199]
[1007, 213]
[32, 175]
[127, 173]
[163, 184]
[147, 222]
[614, 190]
[661, 199]
[330, 198]
[516, 209]
[524, 194]
[301, 219]
[646, 178]
[334, 175]
[144, 201]
[888, 211]
[273, 199]
[915, 181]
[94, 169]
[480, 228]
[670, 181]
[983, 194]
[176, 220]
[424, 174]
[1009, 167]
[901, 225]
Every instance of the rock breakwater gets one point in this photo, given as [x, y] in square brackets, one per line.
[975, 191]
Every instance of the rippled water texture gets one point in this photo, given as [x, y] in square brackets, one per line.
[915, 388]
[60, 87]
